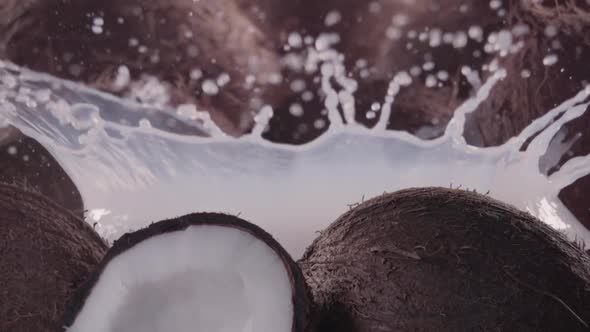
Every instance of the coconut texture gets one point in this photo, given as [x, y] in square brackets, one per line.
[46, 254]
[436, 259]
[301, 302]
[27, 164]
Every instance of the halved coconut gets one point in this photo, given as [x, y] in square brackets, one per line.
[200, 272]
[437, 259]
[45, 254]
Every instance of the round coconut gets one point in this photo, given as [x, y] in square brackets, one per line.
[46, 254]
[200, 272]
[27, 164]
[436, 259]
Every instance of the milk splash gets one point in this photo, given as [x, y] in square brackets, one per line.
[132, 170]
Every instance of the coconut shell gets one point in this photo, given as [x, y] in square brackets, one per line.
[27, 164]
[46, 254]
[435, 259]
[301, 302]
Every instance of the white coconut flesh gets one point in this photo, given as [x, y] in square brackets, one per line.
[202, 279]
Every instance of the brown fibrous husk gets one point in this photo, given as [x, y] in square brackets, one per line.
[27, 164]
[435, 259]
[47, 253]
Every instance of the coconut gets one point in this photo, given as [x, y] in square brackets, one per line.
[27, 164]
[200, 272]
[46, 254]
[435, 259]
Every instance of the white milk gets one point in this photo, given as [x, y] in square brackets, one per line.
[132, 170]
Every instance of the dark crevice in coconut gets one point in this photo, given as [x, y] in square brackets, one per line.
[127, 251]
[435, 259]
[336, 317]
[46, 253]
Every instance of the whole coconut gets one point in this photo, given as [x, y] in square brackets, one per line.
[24, 162]
[46, 253]
[436, 259]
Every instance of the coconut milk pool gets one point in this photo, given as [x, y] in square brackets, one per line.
[132, 171]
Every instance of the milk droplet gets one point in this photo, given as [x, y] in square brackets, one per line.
[295, 40]
[431, 81]
[393, 33]
[187, 111]
[319, 123]
[551, 31]
[97, 29]
[123, 77]
[550, 60]
[223, 79]
[427, 66]
[403, 78]
[442, 75]
[495, 4]
[332, 18]
[209, 87]
[475, 32]
[98, 21]
[296, 110]
[297, 85]
[435, 38]
[400, 20]
[460, 40]
[196, 74]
